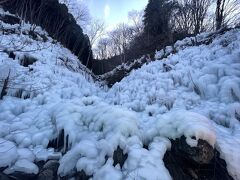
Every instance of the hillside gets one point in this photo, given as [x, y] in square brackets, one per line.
[52, 111]
[55, 19]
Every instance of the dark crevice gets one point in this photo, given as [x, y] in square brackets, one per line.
[119, 157]
[145, 146]
[27, 60]
[60, 143]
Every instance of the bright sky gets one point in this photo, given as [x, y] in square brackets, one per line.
[113, 11]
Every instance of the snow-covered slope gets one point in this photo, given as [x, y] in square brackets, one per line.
[198, 98]
[204, 79]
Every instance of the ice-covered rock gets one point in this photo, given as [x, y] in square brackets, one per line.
[8, 153]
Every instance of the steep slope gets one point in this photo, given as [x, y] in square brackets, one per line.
[53, 110]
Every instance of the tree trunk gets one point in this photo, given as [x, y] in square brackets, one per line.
[219, 13]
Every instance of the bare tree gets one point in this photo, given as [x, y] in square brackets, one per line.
[219, 13]
[199, 11]
[122, 36]
[112, 48]
[95, 30]
[136, 19]
[79, 10]
[190, 15]
[182, 20]
[102, 46]
[227, 12]
[116, 43]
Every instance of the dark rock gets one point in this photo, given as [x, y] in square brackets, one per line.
[52, 165]
[12, 55]
[116, 77]
[119, 157]
[202, 154]
[46, 175]
[77, 176]
[49, 171]
[82, 176]
[118, 73]
[27, 60]
[3, 168]
[40, 164]
[33, 34]
[22, 176]
[237, 116]
[44, 37]
[201, 162]
[9, 19]
[4, 177]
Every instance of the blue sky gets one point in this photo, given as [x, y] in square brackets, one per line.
[113, 11]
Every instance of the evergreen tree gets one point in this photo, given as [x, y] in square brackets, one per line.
[157, 16]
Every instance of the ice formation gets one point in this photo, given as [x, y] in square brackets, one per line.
[199, 97]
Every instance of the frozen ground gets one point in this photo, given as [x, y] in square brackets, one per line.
[197, 97]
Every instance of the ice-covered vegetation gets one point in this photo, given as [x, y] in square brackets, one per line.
[203, 79]
[194, 93]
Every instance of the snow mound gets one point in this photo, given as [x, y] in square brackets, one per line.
[143, 163]
[192, 125]
[8, 153]
[95, 131]
[25, 166]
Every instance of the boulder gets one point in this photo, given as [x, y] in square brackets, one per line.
[201, 154]
[49, 171]
[202, 162]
